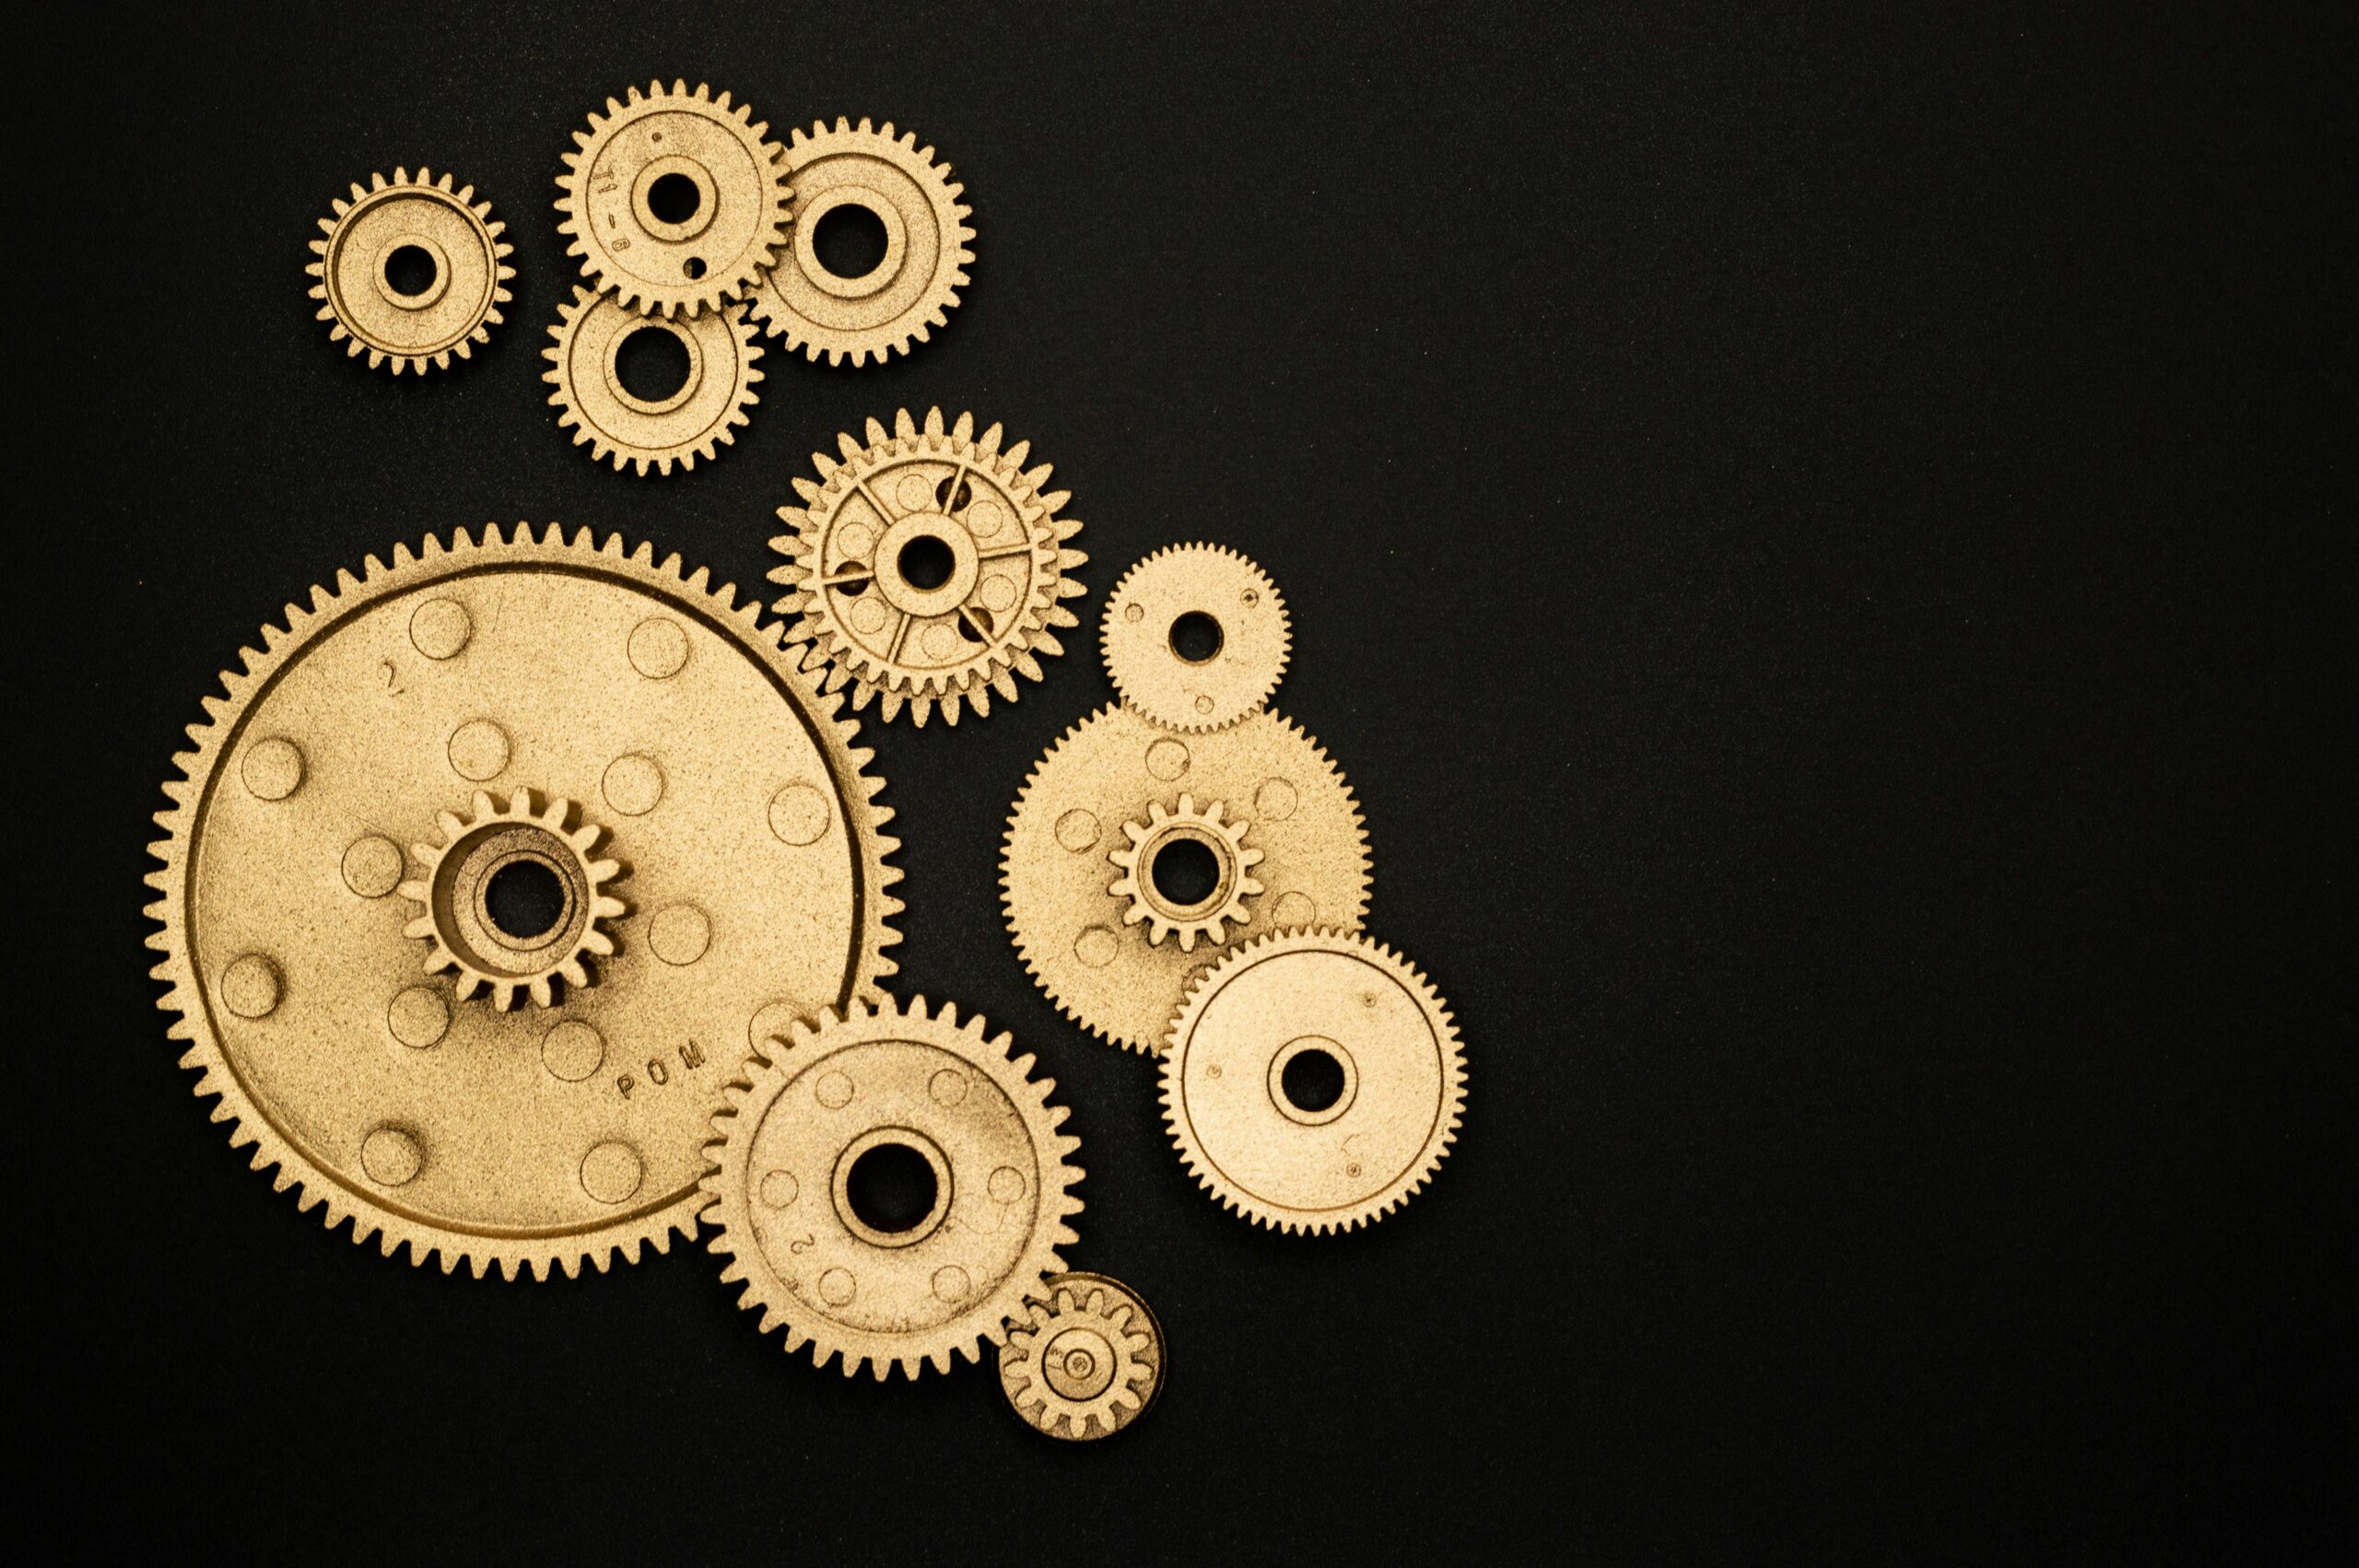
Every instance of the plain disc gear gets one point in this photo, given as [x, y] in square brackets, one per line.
[902, 1290]
[928, 566]
[1085, 1360]
[411, 271]
[1195, 637]
[1189, 915]
[686, 424]
[454, 700]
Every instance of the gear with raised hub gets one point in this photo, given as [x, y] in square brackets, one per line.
[686, 423]
[1085, 1360]
[1195, 637]
[914, 284]
[1313, 1080]
[398, 1089]
[411, 271]
[988, 1189]
[1185, 911]
[927, 566]
[1280, 796]
[676, 202]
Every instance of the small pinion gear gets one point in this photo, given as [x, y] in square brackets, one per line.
[411, 271]
[1206, 914]
[454, 897]
[1196, 637]
[1085, 1361]
[702, 414]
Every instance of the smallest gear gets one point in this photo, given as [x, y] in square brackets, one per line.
[682, 422]
[411, 271]
[457, 894]
[1196, 637]
[1185, 872]
[1085, 1360]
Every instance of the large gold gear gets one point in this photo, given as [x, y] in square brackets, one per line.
[1085, 1360]
[1279, 796]
[783, 1172]
[707, 409]
[344, 1051]
[911, 290]
[1148, 617]
[998, 543]
[615, 191]
[1318, 1167]
[463, 280]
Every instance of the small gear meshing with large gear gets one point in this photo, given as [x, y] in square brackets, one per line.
[880, 1083]
[705, 410]
[411, 271]
[928, 566]
[1085, 1361]
[505, 1088]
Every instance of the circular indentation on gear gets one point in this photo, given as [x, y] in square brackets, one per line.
[440, 628]
[679, 934]
[573, 1051]
[798, 815]
[1078, 830]
[611, 1172]
[1007, 1184]
[272, 768]
[939, 642]
[1292, 909]
[1134, 613]
[418, 1017]
[868, 616]
[837, 1287]
[250, 987]
[1166, 759]
[947, 1087]
[372, 865]
[391, 1157]
[632, 784]
[1095, 946]
[1275, 800]
[659, 649]
[771, 1022]
[834, 1090]
[1313, 1080]
[779, 1189]
[998, 595]
[478, 750]
[952, 1284]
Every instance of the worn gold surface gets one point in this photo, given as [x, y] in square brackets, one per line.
[397, 741]
[707, 410]
[1085, 1360]
[1149, 671]
[452, 313]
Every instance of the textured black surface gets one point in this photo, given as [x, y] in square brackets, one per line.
[1815, 543]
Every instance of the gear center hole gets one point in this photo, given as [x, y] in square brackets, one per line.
[1196, 638]
[1312, 1079]
[525, 900]
[891, 1188]
[849, 241]
[1185, 872]
[926, 562]
[410, 270]
[653, 362]
[674, 198]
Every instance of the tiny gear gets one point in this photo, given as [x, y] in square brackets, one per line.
[1195, 637]
[1111, 819]
[1242, 1080]
[411, 271]
[927, 567]
[878, 1086]
[676, 202]
[914, 284]
[365, 975]
[1085, 1361]
[684, 424]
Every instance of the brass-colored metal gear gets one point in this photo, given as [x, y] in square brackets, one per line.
[881, 1082]
[914, 286]
[676, 202]
[1085, 1360]
[707, 409]
[1203, 916]
[411, 271]
[927, 566]
[1195, 637]
[1275, 792]
[1321, 1162]
[391, 1077]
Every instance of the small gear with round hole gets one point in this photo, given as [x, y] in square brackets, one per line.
[903, 190]
[411, 271]
[1195, 914]
[676, 202]
[1085, 1361]
[1195, 637]
[691, 421]
[455, 899]
[877, 1086]
[928, 566]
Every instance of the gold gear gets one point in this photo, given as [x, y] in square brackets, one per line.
[1338, 1166]
[782, 1173]
[1202, 917]
[707, 409]
[927, 243]
[455, 898]
[1105, 972]
[405, 1099]
[976, 507]
[722, 243]
[1146, 614]
[1085, 1360]
[457, 306]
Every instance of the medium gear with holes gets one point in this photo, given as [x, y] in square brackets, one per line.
[1202, 590]
[1085, 1360]
[928, 566]
[928, 246]
[705, 412]
[510, 706]
[461, 279]
[1333, 1163]
[676, 202]
[1274, 792]
[1204, 918]
[784, 1177]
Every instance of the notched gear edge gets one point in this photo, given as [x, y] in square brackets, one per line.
[464, 197]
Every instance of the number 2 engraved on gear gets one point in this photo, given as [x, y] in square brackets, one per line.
[392, 679]
[804, 1246]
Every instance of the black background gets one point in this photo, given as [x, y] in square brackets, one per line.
[1814, 541]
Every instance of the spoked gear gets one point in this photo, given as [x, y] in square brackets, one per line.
[927, 566]
[1085, 1361]
[411, 271]
[676, 202]
[921, 1087]
[1195, 637]
[1340, 1007]
[706, 410]
[535, 669]
[1205, 915]
[912, 287]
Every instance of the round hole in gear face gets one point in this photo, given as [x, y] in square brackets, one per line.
[1312, 1079]
[891, 1188]
[525, 900]
[674, 198]
[1196, 637]
[849, 241]
[410, 270]
[652, 363]
[1185, 872]
[927, 562]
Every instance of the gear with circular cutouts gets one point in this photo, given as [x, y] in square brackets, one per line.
[395, 1090]
[1195, 637]
[403, 231]
[1279, 795]
[904, 1288]
[676, 202]
[689, 423]
[1292, 1152]
[1085, 1360]
[927, 566]
[914, 284]
[1205, 916]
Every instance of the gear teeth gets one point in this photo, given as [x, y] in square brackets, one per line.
[363, 327]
